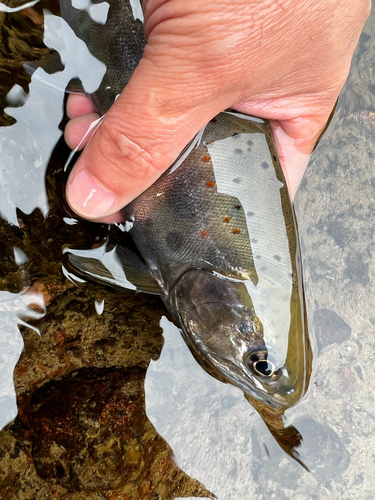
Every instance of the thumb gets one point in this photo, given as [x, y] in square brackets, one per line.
[295, 139]
[140, 136]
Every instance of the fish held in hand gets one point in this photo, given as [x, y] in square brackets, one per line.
[218, 239]
[222, 242]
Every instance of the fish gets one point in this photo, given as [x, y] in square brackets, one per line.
[217, 239]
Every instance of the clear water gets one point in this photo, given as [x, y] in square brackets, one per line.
[112, 405]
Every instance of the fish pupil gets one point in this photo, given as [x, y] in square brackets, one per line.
[264, 367]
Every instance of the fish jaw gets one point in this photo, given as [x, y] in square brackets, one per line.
[221, 328]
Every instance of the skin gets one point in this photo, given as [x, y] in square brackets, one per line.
[286, 61]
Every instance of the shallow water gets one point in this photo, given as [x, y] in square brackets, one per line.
[113, 405]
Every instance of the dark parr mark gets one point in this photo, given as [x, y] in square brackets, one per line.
[238, 151]
[237, 180]
[277, 257]
[265, 165]
[174, 241]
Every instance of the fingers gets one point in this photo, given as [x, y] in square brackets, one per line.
[78, 105]
[295, 140]
[294, 149]
[77, 133]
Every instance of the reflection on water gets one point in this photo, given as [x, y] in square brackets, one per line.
[104, 410]
[21, 39]
[12, 307]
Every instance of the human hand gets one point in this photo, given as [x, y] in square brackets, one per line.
[285, 61]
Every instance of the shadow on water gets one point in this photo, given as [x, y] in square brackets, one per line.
[87, 375]
[81, 423]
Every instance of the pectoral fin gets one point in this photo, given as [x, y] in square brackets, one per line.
[118, 268]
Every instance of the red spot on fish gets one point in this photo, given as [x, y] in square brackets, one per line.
[236, 231]
[210, 184]
[204, 233]
[206, 158]
[227, 219]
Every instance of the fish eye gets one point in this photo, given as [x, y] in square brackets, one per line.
[264, 368]
[257, 362]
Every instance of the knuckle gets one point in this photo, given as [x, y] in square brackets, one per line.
[125, 151]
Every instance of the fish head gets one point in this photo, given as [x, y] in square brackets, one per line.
[222, 329]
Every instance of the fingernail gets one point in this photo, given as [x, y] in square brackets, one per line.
[87, 197]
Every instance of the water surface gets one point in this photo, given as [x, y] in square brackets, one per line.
[110, 402]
